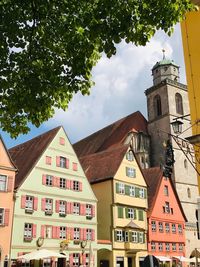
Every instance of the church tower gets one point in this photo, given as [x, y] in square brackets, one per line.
[168, 99]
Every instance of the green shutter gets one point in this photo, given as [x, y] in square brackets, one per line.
[120, 212]
[115, 235]
[126, 211]
[134, 173]
[135, 214]
[137, 192]
[140, 215]
[143, 237]
[127, 171]
[130, 236]
[127, 190]
[138, 237]
[145, 193]
[117, 188]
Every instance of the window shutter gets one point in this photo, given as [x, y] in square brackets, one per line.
[81, 233]
[71, 207]
[93, 211]
[68, 184]
[35, 203]
[43, 203]
[74, 166]
[34, 230]
[23, 202]
[58, 232]
[135, 214]
[71, 185]
[44, 179]
[10, 184]
[120, 212]
[57, 205]
[72, 234]
[67, 163]
[127, 190]
[71, 259]
[57, 161]
[43, 231]
[137, 192]
[56, 181]
[126, 211]
[93, 235]
[82, 209]
[145, 193]
[127, 173]
[140, 215]
[115, 235]
[80, 186]
[68, 208]
[143, 237]
[84, 259]
[117, 188]
[130, 237]
[6, 218]
[84, 234]
[138, 237]
[54, 232]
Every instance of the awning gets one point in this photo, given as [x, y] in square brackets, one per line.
[163, 258]
[41, 254]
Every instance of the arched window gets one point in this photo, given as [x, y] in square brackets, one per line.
[179, 103]
[188, 192]
[157, 106]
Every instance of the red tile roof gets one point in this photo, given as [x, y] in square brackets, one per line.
[112, 134]
[27, 154]
[103, 165]
[153, 177]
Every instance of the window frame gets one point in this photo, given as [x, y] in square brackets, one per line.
[2, 216]
[130, 172]
[28, 231]
[153, 226]
[63, 183]
[3, 184]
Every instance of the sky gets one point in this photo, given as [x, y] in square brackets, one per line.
[119, 88]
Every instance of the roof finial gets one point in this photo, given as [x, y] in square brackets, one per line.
[163, 50]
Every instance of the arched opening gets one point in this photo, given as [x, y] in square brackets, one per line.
[157, 106]
[179, 103]
[189, 192]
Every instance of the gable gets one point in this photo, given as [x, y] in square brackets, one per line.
[5, 160]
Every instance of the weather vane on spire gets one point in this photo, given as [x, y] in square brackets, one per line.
[163, 50]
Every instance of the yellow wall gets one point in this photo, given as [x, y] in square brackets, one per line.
[191, 43]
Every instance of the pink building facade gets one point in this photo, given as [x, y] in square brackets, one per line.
[166, 219]
[7, 179]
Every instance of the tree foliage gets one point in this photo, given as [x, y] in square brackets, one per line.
[49, 47]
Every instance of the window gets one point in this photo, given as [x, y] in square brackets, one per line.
[48, 206]
[167, 247]
[119, 235]
[62, 183]
[129, 156]
[75, 166]
[157, 106]
[141, 237]
[88, 210]
[179, 104]
[3, 182]
[166, 208]
[132, 191]
[153, 246]
[76, 233]
[76, 208]
[49, 180]
[125, 236]
[121, 188]
[76, 259]
[173, 228]
[1, 216]
[185, 164]
[130, 172]
[75, 185]
[130, 213]
[48, 160]
[48, 231]
[29, 203]
[88, 234]
[189, 192]
[166, 191]
[28, 231]
[134, 237]
[87, 259]
[173, 246]
[62, 141]
[160, 246]
[180, 229]
[62, 207]
[153, 226]
[46, 263]
[142, 193]
[180, 247]
[167, 228]
[160, 226]
[63, 162]
[25, 263]
[63, 232]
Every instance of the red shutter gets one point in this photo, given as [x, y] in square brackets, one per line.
[67, 163]
[23, 202]
[58, 161]
[10, 184]
[72, 207]
[68, 208]
[80, 186]
[43, 203]
[6, 217]
[81, 233]
[82, 209]
[62, 141]
[84, 234]
[93, 235]
[75, 166]
[72, 234]
[54, 232]
[71, 185]
[35, 203]
[43, 231]
[68, 184]
[71, 259]
[57, 205]
[56, 181]
[58, 231]
[84, 258]
[34, 230]
[93, 211]
[44, 179]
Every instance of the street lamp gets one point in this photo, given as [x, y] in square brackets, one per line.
[177, 126]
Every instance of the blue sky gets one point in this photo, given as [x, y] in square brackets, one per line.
[119, 88]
